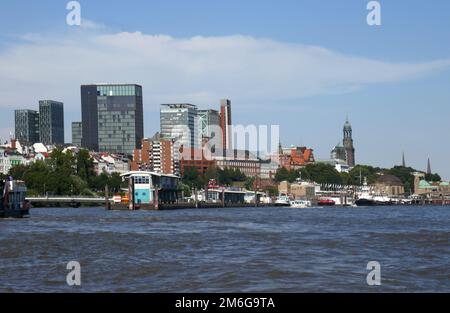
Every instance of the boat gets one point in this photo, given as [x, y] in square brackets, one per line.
[12, 199]
[365, 201]
[326, 202]
[282, 200]
[365, 196]
[300, 204]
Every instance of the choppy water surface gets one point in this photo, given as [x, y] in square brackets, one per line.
[228, 250]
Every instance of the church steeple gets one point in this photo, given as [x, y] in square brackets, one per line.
[428, 166]
[403, 160]
[347, 129]
[348, 143]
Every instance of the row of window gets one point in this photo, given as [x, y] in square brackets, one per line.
[142, 180]
[125, 90]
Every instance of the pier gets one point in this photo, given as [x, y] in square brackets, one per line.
[75, 201]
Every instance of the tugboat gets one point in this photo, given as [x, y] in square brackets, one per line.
[12, 199]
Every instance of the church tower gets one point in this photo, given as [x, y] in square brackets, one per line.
[348, 144]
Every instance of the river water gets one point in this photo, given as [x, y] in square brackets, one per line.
[228, 250]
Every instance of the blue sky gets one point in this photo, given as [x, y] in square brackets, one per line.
[406, 109]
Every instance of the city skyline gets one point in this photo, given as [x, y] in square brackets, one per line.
[399, 103]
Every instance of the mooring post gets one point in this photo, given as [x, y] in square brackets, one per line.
[156, 205]
[107, 205]
[196, 198]
[223, 198]
[130, 194]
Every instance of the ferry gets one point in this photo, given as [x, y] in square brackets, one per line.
[12, 199]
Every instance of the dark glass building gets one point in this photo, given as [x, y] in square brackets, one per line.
[112, 117]
[77, 133]
[27, 126]
[51, 122]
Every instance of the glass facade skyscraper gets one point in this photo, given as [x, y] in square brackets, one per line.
[180, 121]
[51, 122]
[112, 117]
[208, 119]
[26, 126]
[77, 133]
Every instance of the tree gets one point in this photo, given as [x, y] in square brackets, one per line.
[211, 173]
[115, 182]
[272, 191]
[359, 172]
[249, 183]
[99, 182]
[433, 177]
[282, 174]
[321, 173]
[85, 165]
[191, 177]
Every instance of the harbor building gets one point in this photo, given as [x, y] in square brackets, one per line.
[389, 185]
[146, 189]
[194, 158]
[112, 117]
[243, 160]
[179, 121]
[77, 133]
[26, 126]
[51, 122]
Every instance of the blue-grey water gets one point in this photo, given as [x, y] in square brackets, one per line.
[228, 250]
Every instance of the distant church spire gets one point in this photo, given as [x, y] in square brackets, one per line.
[348, 143]
[429, 166]
[403, 160]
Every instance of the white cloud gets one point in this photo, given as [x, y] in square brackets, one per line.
[197, 69]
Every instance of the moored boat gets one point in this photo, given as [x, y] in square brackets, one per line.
[282, 200]
[300, 204]
[12, 199]
[326, 202]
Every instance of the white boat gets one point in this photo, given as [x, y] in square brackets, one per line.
[283, 200]
[300, 204]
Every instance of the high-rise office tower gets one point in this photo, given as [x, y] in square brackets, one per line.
[77, 133]
[112, 117]
[207, 120]
[51, 122]
[225, 123]
[26, 126]
[179, 121]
